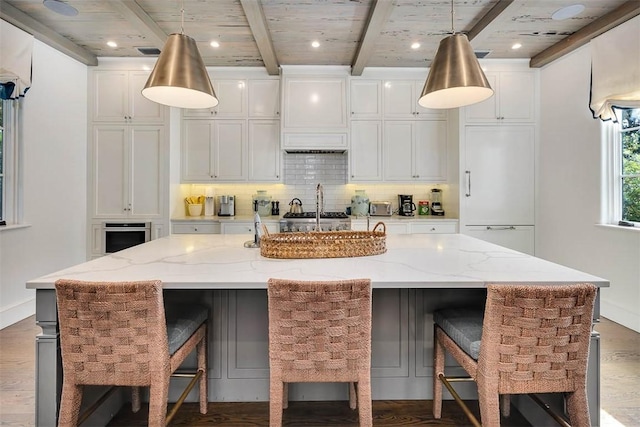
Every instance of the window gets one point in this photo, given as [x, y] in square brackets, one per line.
[629, 165]
[2, 168]
[10, 195]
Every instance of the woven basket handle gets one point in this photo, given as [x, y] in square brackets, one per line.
[384, 227]
[265, 230]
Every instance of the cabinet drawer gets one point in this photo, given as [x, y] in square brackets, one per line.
[196, 228]
[433, 228]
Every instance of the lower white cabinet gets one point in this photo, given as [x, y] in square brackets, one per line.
[518, 238]
[407, 226]
[245, 227]
[196, 228]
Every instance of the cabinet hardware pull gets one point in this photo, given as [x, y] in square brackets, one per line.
[468, 174]
[510, 227]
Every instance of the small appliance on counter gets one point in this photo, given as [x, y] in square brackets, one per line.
[436, 202]
[208, 206]
[406, 207]
[275, 208]
[380, 209]
[226, 205]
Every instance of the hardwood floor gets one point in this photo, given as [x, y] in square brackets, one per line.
[620, 394]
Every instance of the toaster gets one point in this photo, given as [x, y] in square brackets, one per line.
[380, 209]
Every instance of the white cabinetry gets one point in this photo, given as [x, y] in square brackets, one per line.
[214, 150]
[195, 227]
[264, 99]
[232, 97]
[401, 101]
[408, 226]
[116, 97]
[498, 191]
[366, 99]
[128, 171]
[415, 150]
[513, 101]
[365, 158]
[245, 227]
[264, 150]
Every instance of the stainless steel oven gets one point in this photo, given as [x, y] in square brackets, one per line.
[117, 236]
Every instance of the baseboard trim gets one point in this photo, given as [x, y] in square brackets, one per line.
[17, 312]
[620, 315]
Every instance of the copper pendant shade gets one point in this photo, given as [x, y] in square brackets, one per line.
[179, 78]
[455, 78]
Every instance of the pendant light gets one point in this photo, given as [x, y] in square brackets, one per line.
[179, 78]
[455, 78]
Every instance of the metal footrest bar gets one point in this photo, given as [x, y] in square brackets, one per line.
[91, 409]
[194, 379]
[549, 411]
[446, 380]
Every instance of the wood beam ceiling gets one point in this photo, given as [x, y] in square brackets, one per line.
[45, 35]
[258, 24]
[132, 12]
[581, 37]
[380, 12]
[488, 18]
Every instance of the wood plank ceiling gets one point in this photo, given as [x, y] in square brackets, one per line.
[356, 33]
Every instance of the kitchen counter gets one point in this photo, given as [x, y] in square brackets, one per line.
[418, 274]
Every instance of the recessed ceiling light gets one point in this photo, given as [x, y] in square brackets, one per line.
[567, 12]
[516, 46]
[415, 45]
[214, 44]
[112, 44]
[315, 44]
[60, 7]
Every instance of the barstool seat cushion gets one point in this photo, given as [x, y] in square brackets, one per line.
[182, 321]
[464, 326]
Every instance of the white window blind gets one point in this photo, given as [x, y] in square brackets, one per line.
[16, 49]
[615, 70]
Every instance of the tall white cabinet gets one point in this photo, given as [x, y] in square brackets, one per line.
[128, 154]
[497, 161]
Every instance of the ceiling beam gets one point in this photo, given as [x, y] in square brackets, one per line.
[488, 18]
[45, 35]
[258, 24]
[132, 12]
[584, 35]
[380, 12]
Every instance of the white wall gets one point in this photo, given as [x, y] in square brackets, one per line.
[569, 191]
[54, 138]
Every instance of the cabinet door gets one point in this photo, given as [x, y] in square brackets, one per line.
[142, 110]
[426, 113]
[399, 99]
[315, 104]
[196, 150]
[110, 171]
[366, 99]
[232, 95]
[517, 96]
[487, 110]
[398, 150]
[110, 96]
[518, 238]
[230, 150]
[264, 150]
[146, 171]
[264, 99]
[498, 175]
[365, 156]
[430, 152]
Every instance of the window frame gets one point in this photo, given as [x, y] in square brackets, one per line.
[12, 182]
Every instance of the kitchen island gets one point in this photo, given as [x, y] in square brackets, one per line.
[418, 274]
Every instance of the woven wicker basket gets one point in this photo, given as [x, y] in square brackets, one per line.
[321, 244]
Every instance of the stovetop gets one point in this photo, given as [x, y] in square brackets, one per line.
[312, 215]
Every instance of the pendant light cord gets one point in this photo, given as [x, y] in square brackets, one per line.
[453, 31]
[182, 18]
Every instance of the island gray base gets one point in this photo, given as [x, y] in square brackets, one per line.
[402, 347]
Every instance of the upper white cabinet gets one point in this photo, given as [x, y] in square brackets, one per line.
[214, 150]
[315, 104]
[128, 171]
[401, 101]
[232, 100]
[116, 97]
[264, 99]
[365, 157]
[415, 150]
[512, 102]
[264, 150]
[366, 99]
[498, 175]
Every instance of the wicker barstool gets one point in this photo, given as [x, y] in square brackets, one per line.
[320, 332]
[529, 339]
[118, 334]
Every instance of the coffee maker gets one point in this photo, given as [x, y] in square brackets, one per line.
[406, 207]
[226, 206]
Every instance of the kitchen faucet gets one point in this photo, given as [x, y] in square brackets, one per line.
[319, 205]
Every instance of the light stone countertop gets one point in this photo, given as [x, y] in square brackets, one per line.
[216, 261]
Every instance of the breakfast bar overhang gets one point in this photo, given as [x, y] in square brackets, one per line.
[418, 274]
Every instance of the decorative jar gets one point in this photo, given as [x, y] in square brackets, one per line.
[263, 201]
[359, 203]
